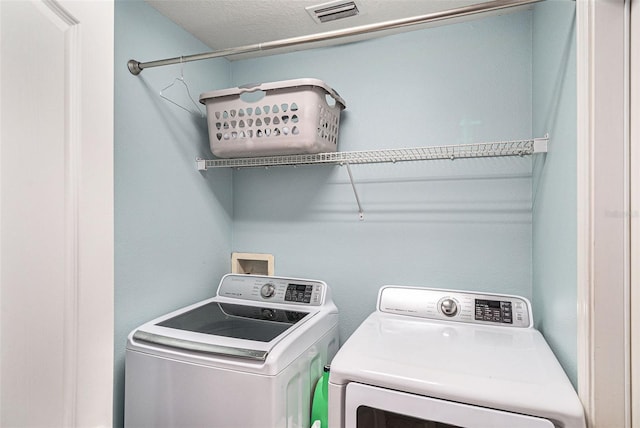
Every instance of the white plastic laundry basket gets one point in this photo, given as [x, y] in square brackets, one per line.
[291, 117]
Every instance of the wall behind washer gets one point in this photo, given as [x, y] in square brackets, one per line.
[172, 223]
[554, 200]
[463, 224]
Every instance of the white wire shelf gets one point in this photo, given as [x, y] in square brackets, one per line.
[459, 151]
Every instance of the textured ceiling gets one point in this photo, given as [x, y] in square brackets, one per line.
[223, 24]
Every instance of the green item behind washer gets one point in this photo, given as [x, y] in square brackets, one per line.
[320, 406]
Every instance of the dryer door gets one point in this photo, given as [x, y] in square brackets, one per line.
[371, 407]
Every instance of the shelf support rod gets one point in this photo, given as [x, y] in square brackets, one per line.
[355, 192]
[136, 67]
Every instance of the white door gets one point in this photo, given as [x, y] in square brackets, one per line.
[371, 407]
[56, 213]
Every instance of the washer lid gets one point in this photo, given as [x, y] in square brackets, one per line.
[213, 327]
[511, 369]
[237, 321]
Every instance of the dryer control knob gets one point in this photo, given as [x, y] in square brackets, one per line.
[449, 307]
[268, 290]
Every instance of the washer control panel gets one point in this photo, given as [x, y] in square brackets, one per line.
[454, 305]
[273, 289]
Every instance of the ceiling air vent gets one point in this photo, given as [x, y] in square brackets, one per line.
[332, 11]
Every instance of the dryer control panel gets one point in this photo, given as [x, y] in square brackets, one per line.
[454, 305]
[273, 289]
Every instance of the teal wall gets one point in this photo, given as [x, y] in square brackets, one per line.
[554, 209]
[462, 224]
[172, 223]
[465, 224]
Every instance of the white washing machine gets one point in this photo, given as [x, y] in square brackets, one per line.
[247, 358]
[430, 358]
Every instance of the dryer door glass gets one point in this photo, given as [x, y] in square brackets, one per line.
[236, 321]
[376, 418]
[368, 406]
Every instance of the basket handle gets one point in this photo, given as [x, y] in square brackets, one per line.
[251, 92]
[254, 87]
[336, 97]
[249, 87]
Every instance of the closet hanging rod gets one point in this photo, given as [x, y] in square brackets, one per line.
[136, 67]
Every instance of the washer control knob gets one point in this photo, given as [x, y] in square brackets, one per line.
[268, 290]
[449, 307]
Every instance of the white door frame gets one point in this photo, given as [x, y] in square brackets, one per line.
[634, 138]
[94, 296]
[603, 208]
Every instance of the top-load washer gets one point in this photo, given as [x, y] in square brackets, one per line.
[430, 358]
[248, 357]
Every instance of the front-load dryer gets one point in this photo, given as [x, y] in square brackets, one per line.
[430, 358]
[247, 358]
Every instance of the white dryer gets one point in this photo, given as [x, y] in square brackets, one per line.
[247, 358]
[430, 358]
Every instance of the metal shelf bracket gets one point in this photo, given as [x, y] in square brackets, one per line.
[355, 192]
